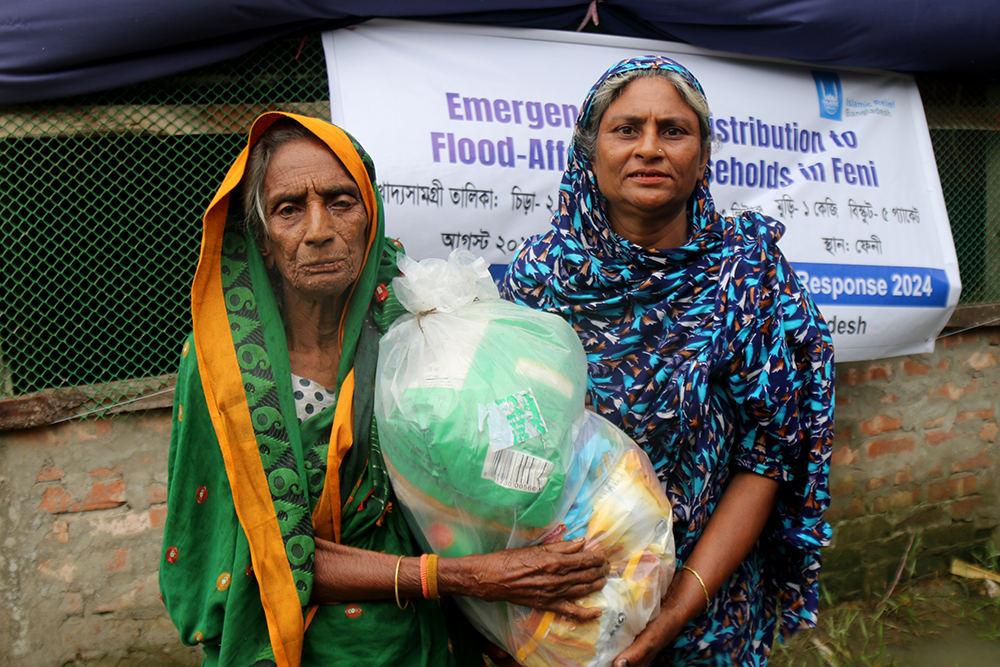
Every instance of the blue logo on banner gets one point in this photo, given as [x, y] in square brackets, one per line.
[860, 285]
[831, 94]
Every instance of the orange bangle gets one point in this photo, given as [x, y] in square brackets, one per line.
[423, 576]
[432, 577]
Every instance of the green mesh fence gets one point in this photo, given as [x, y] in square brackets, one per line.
[964, 123]
[101, 199]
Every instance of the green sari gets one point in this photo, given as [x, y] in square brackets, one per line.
[250, 488]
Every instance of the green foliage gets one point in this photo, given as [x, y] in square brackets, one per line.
[939, 623]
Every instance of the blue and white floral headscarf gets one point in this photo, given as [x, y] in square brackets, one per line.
[713, 358]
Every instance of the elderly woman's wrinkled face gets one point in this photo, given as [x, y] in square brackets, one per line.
[317, 220]
[649, 156]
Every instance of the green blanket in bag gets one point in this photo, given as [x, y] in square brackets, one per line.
[477, 411]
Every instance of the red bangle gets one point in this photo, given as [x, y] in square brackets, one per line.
[423, 576]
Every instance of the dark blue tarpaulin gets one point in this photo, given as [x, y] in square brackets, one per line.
[57, 48]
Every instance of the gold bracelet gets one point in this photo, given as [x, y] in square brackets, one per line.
[401, 606]
[704, 588]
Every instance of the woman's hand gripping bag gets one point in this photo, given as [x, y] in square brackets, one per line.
[480, 410]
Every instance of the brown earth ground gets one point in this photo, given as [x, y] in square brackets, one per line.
[942, 622]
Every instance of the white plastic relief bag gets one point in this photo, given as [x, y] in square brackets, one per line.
[481, 418]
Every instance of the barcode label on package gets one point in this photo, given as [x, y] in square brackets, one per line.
[517, 470]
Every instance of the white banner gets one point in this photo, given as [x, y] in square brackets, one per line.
[469, 126]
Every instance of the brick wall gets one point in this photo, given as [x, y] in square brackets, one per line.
[915, 453]
[82, 505]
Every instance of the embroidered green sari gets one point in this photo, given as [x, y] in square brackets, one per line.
[250, 488]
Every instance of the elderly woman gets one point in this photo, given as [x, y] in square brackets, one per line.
[282, 544]
[705, 348]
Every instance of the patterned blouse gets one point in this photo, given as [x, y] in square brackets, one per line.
[713, 358]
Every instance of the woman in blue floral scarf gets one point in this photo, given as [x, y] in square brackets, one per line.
[704, 346]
